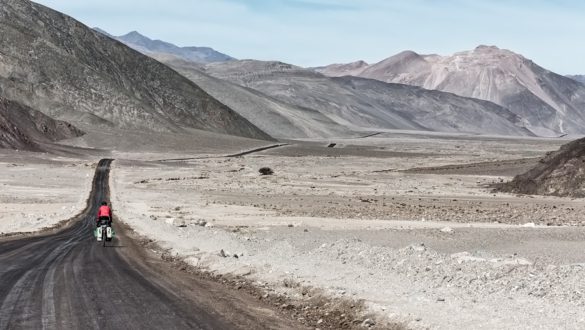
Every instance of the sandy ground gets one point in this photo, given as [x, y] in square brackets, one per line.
[431, 247]
[38, 191]
[405, 223]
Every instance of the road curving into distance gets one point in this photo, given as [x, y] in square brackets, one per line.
[66, 280]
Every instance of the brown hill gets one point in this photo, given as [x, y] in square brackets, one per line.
[24, 128]
[560, 173]
[550, 104]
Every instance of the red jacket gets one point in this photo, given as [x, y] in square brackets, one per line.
[104, 211]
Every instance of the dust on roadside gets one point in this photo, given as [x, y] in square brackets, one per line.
[315, 310]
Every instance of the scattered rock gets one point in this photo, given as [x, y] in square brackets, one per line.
[418, 248]
[513, 262]
[222, 254]
[200, 222]
[447, 230]
[462, 257]
[244, 271]
[368, 323]
[193, 261]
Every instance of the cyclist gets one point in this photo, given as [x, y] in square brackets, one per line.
[104, 214]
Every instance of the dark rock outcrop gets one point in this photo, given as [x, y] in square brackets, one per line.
[560, 173]
[24, 128]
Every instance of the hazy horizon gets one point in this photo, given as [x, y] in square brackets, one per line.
[320, 32]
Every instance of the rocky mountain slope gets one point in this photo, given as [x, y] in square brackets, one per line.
[369, 104]
[340, 70]
[24, 128]
[579, 78]
[291, 102]
[162, 49]
[439, 111]
[560, 173]
[54, 64]
[550, 103]
[277, 118]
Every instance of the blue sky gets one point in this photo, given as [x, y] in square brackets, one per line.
[318, 32]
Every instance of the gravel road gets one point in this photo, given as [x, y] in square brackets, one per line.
[66, 280]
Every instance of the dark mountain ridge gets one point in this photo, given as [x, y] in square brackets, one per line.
[200, 55]
[54, 64]
[26, 129]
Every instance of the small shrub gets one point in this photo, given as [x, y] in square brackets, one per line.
[266, 171]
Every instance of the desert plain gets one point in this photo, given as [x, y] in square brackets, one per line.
[405, 226]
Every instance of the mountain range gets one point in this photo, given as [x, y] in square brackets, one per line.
[551, 104]
[293, 102]
[340, 70]
[54, 64]
[55, 71]
[276, 117]
[531, 99]
[273, 116]
[579, 78]
[366, 104]
[160, 49]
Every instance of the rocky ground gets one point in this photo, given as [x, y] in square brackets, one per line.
[395, 230]
[420, 244]
[39, 191]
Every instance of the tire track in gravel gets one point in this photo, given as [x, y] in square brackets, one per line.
[66, 280]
